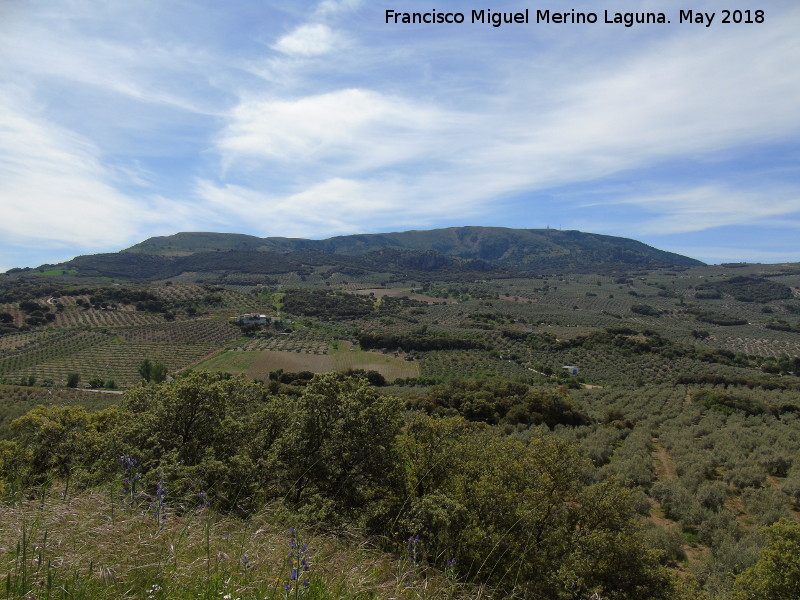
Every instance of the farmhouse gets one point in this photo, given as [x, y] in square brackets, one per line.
[250, 319]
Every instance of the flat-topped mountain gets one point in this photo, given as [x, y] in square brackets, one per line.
[453, 252]
[515, 249]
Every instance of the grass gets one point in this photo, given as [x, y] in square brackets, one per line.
[117, 361]
[235, 362]
[96, 546]
[565, 306]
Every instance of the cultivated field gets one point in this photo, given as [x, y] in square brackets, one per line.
[401, 293]
[258, 364]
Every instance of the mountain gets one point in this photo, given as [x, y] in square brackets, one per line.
[454, 252]
[517, 249]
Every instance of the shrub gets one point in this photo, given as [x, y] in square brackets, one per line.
[776, 575]
[520, 517]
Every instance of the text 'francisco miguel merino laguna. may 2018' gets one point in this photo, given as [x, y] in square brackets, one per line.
[573, 17]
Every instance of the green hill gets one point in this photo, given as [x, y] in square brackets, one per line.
[480, 249]
[185, 243]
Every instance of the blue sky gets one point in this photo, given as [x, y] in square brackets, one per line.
[123, 120]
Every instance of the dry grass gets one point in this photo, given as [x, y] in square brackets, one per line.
[94, 546]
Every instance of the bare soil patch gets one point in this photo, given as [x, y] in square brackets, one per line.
[402, 293]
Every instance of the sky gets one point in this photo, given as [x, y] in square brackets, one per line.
[124, 120]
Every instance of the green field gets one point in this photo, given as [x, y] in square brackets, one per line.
[231, 361]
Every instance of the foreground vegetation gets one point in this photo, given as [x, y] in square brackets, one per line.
[520, 507]
[525, 518]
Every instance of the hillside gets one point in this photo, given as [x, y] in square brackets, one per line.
[400, 264]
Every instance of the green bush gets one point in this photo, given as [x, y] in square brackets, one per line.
[776, 575]
[527, 518]
[521, 517]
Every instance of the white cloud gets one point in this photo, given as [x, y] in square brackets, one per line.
[330, 207]
[338, 206]
[328, 7]
[411, 127]
[355, 129]
[685, 96]
[682, 96]
[147, 71]
[309, 40]
[54, 187]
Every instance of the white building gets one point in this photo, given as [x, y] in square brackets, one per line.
[251, 318]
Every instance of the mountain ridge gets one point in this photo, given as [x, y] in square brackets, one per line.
[470, 252]
[504, 247]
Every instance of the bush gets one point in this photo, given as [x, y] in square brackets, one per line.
[526, 518]
[341, 444]
[59, 438]
[645, 309]
[776, 575]
[668, 541]
[520, 517]
[712, 494]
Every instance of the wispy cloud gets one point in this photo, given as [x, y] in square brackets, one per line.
[356, 130]
[54, 187]
[55, 51]
[332, 7]
[309, 40]
[330, 207]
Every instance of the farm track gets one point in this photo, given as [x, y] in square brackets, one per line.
[665, 471]
[662, 463]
